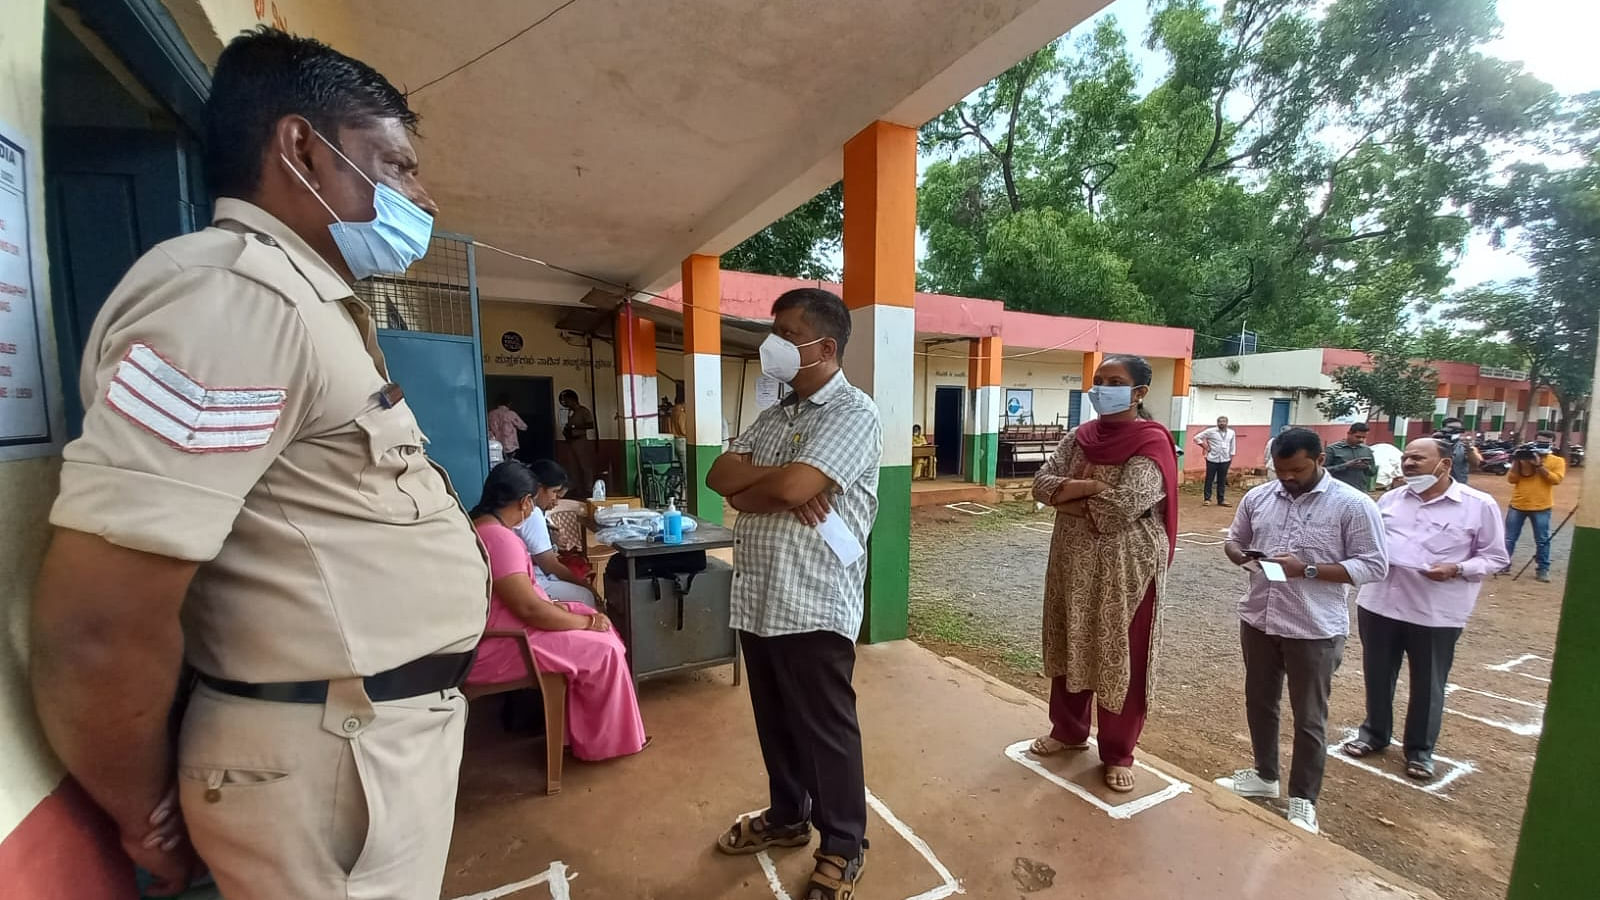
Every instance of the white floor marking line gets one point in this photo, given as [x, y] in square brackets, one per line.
[949, 884]
[1510, 666]
[1197, 537]
[556, 876]
[1458, 768]
[1018, 753]
[1037, 526]
[1521, 729]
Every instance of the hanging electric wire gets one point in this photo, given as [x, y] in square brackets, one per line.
[540, 21]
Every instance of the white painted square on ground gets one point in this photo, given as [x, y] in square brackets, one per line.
[1525, 661]
[1018, 753]
[1453, 768]
[970, 508]
[1197, 537]
[1040, 527]
[948, 885]
[556, 878]
[1529, 724]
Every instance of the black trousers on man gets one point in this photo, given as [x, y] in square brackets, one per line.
[1308, 666]
[1217, 473]
[805, 709]
[1429, 651]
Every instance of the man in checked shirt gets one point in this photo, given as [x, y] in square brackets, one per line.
[1324, 536]
[796, 605]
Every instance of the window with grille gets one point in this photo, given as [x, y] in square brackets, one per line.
[435, 294]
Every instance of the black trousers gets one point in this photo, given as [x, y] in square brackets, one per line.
[805, 709]
[1308, 666]
[1217, 473]
[1429, 651]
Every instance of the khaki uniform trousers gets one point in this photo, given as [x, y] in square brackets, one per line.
[347, 799]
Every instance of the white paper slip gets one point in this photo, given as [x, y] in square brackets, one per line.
[1273, 571]
[839, 538]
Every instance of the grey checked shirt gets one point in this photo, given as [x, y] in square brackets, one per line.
[1330, 523]
[786, 580]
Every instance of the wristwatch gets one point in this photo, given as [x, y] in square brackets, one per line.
[1311, 571]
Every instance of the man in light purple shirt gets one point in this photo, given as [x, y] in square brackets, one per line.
[1304, 538]
[1444, 538]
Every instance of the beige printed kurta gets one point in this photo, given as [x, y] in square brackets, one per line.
[1101, 565]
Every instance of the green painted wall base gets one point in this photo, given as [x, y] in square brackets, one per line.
[1438, 421]
[889, 559]
[1179, 437]
[1555, 856]
[1470, 423]
[1497, 424]
[983, 458]
[703, 501]
[630, 471]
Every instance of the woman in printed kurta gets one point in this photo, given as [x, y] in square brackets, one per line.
[1113, 482]
[569, 638]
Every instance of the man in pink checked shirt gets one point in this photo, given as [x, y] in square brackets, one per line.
[1444, 538]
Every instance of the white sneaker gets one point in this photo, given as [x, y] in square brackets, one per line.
[1303, 815]
[1247, 783]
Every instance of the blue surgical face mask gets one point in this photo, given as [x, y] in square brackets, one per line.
[1110, 399]
[396, 237]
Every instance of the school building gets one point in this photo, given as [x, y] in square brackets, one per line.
[1260, 393]
[633, 143]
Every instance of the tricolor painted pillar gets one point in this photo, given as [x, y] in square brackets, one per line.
[1497, 412]
[1469, 418]
[1091, 362]
[880, 236]
[1182, 370]
[1555, 855]
[1441, 405]
[702, 370]
[636, 385]
[1401, 426]
[983, 419]
[1546, 409]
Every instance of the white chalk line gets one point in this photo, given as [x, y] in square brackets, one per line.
[979, 510]
[1018, 753]
[556, 876]
[1037, 526]
[949, 884]
[1521, 729]
[1511, 666]
[1458, 768]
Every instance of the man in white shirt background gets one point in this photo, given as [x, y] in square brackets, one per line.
[550, 573]
[1220, 443]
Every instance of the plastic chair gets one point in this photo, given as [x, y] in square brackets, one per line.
[552, 689]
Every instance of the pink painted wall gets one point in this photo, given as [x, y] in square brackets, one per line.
[1251, 444]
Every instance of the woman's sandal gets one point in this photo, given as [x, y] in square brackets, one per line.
[1049, 746]
[823, 886]
[752, 834]
[1418, 772]
[1120, 779]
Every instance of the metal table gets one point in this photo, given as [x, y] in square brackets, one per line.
[674, 639]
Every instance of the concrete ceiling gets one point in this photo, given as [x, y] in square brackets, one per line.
[620, 136]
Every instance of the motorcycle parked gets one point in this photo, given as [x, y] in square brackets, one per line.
[1575, 455]
[1496, 457]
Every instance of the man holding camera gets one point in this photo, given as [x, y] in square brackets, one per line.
[1535, 472]
[1464, 456]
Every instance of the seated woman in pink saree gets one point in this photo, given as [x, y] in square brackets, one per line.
[569, 638]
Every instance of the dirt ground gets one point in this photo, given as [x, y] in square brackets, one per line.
[976, 593]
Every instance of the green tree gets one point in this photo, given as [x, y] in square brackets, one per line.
[1393, 384]
[799, 245]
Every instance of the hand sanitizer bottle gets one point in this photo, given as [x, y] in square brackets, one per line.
[672, 524]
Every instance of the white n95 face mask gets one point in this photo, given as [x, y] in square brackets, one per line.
[780, 359]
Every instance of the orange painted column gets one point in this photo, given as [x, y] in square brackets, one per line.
[880, 280]
[1091, 361]
[702, 370]
[986, 410]
[1441, 405]
[1182, 374]
[636, 386]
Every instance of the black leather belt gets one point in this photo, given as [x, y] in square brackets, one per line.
[427, 675]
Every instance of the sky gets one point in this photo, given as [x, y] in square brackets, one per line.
[1554, 39]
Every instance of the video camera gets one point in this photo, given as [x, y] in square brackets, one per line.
[1448, 436]
[1530, 451]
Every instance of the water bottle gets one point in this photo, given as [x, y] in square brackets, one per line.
[672, 524]
[599, 492]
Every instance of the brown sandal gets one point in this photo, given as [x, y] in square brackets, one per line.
[1120, 786]
[752, 834]
[823, 886]
[1042, 746]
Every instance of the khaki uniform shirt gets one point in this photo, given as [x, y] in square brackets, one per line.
[233, 389]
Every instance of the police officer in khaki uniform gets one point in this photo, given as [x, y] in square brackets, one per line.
[250, 494]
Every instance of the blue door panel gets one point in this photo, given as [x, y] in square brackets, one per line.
[441, 378]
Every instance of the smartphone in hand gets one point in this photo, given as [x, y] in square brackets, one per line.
[1254, 554]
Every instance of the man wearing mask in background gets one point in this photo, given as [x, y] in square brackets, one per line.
[1443, 538]
[797, 605]
[1351, 461]
[1220, 443]
[1533, 475]
[1464, 455]
[233, 395]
